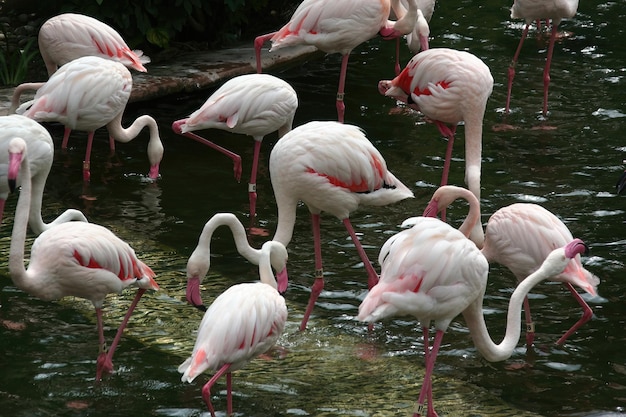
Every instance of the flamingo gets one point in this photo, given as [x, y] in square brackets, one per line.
[86, 94]
[433, 272]
[334, 168]
[41, 151]
[417, 40]
[243, 322]
[448, 87]
[520, 236]
[536, 10]
[339, 27]
[200, 259]
[73, 259]
[251, 104]
[68, 36]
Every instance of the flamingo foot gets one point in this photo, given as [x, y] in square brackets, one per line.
[258, 231]
[104, 365]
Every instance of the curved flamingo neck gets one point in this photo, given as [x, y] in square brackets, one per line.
[265, 265]
[476, 322]
[17, 94]
[124, 135]
[18, 236]
[286, 217]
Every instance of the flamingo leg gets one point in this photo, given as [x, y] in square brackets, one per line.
[587, 314]
[206, 389]
[66, 137]
[236, 158]
[530, 326]
[258, 44]
[512, 65]
[448, 133]
[102, 348]
[426, 390]
[546, 70]
[398, 69]
[318, 285]
[372, 276]
[252, 196]
[106, 365]
[112, 144]
[341, 107]
[229, 395]
[87, 161]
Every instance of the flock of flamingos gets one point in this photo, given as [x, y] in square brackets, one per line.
[429, 270]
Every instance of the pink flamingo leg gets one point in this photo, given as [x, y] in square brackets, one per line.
[258, 44]
[546, 70]
[66, 137]
[252, 196]
[229, 395]
[426, 390]
[587, 314]
[236, 158]
[87, 161]
[530, 326]
[341, 107]
[102, 348]
[372, 276]
[318, 285]
[206, 390]
[448, 133]
[112, 144]
[398, 69]
[512, 69]
[105, 362]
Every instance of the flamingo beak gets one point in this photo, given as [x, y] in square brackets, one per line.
[282, 281]
[15, 160]
[431, 209]
[193, 293]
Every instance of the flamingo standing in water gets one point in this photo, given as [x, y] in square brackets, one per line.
[448, 87]
[339, 27]
[434, 273]
[200, 259]
[417, 40]
[251, 104]
[334, 168]
[537, 10]
[243, 322]
[86, 94]
[41, 155]
[73, 259]
[68, 36]
[520, 236]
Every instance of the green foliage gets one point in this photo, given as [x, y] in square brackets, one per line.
[14, 62]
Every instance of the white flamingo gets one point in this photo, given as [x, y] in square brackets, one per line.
[73, 259]
[333, 168]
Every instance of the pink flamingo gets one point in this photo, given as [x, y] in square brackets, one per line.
[448, 87]
[243, 322]
[334, 168]
[41, 155]
[86, 94]
[417, 40]
[433, 272]
[339, 27]
[200, 260]
[68, 36]
[536, 10]
[520, 236]
[252, 104]
[73, 259]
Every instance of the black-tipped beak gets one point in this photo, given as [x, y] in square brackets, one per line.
[200, 307]
[12, 184]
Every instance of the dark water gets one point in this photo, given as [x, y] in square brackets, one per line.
[335, 367]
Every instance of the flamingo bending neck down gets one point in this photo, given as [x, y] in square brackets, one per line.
[448, 87]
[434, 273]
[200, 259]
[417, 40]
[533, 10]
[86, 94]
[520, 236]
[73, 259]
[334, 168]
[339, 27]
[41, 155]
[251, 104]
[243, 322]
[68, 36]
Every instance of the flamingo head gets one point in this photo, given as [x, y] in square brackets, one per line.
[17, 149]
[197, 268]
[179, 126]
